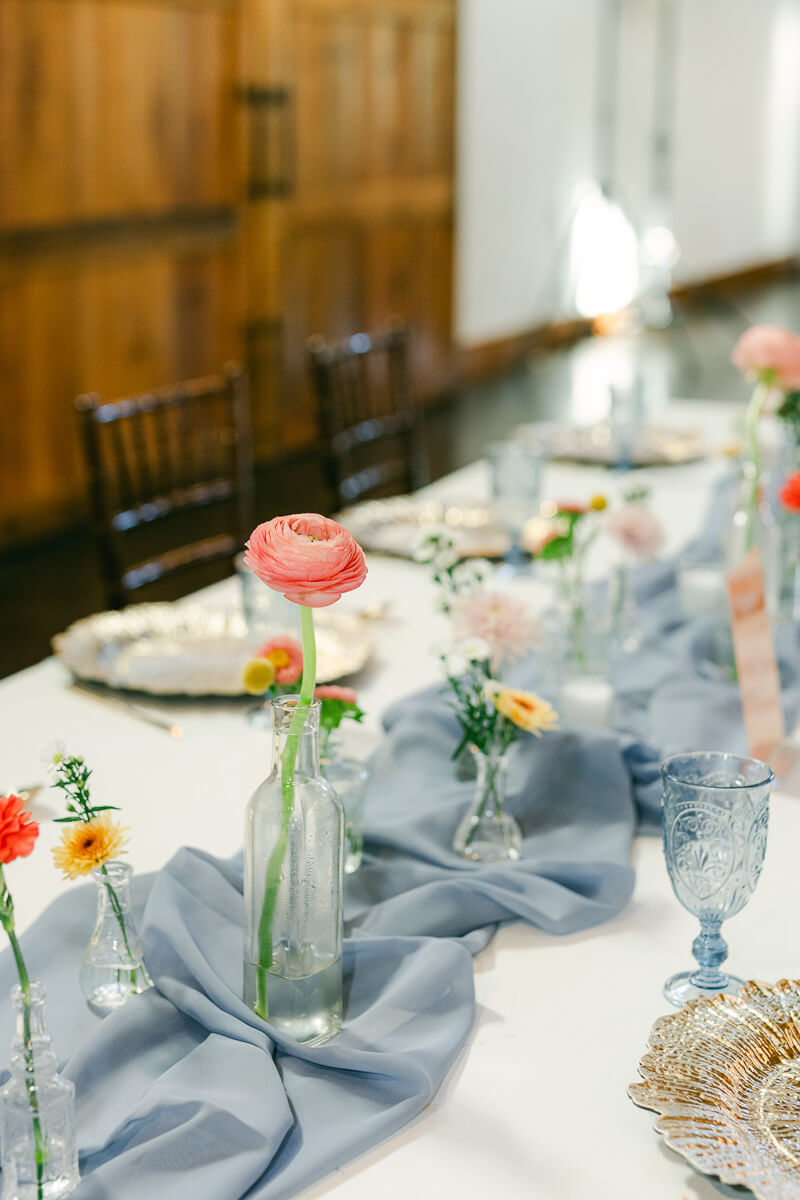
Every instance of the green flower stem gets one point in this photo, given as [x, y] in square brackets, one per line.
[491, 793]
[754, 411]
[288, 763]
[7, 920]
[117, 907]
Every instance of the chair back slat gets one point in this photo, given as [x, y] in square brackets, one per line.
[368, 421]
[182, 452]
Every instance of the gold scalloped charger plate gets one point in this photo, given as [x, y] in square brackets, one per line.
[191, 650]
[723, 1074]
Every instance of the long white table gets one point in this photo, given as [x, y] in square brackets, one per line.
[536, 1107]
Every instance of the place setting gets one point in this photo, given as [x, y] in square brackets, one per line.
[400, 598]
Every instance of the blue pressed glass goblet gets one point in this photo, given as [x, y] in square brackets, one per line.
[715, 809]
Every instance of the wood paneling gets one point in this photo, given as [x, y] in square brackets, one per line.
[364, 232]
[189, 181]
[120, 229]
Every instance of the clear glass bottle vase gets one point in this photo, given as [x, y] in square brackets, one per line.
[37, 1110]
[293, 875]
[113, 967]
[754, 525]
[487, 833]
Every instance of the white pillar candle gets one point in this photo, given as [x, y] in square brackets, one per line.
[701, 590]
[586, 700]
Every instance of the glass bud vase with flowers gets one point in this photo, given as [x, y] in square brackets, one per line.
[790, 575]
[37, 1107]
[491, 716]
[113, 966]
[582, 633]
[294, 827]
[639, 536]
[770, 357]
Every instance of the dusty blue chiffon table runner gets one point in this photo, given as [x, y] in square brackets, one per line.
[186, 1095]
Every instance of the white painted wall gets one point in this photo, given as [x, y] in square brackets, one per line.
[525, 143]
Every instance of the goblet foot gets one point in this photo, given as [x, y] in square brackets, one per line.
[682, 987]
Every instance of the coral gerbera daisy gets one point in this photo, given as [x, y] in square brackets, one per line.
[89, 844]
[286, 656]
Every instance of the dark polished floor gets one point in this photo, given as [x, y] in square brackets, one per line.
[46, 586]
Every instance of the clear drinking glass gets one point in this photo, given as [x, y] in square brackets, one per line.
[266, 612]
[349, 777]
[516, 478]
[293, 874]
[715, 811]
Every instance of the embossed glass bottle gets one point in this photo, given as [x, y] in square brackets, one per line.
[293, 869]
[715, 809]
[37, 1111]
[113, 967]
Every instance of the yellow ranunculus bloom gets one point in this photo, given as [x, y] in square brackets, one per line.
[257, 676]
[598, 502]
[525, 709]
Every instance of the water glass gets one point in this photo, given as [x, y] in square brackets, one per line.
[516, 480]
[266, 613]
[715, 812]
[626, 419]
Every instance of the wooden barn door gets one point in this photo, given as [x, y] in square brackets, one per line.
[121, 216]
[351, 189]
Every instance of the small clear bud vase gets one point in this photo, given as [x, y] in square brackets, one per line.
[113, 967]
[293, 882]
[487, 833]
[37, 1111]
[349, 778]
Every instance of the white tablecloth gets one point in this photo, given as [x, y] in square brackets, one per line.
[536, 1106]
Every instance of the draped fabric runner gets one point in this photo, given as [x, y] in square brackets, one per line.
[186, 1095]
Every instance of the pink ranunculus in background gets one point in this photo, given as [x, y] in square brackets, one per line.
[770, 354]
[309, 558]
[637, 529]
[286, 656]
[500, 620]
[331, 691]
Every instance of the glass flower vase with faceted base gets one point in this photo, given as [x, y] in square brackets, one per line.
[715, 810]
[487, 833]
[37, 1111]
[349, 779]
[113, 967]
[293, 874]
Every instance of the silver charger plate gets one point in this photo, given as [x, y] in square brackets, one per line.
[190, 649]
[724, 1076]
[393, 526]
[655, 446]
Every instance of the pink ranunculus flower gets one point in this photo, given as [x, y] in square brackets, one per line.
[309, 558]
[637, 529]
[331, 691]
[286, 656]
[770, 354]
[501, 621]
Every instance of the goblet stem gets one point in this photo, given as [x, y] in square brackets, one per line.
[710, 949]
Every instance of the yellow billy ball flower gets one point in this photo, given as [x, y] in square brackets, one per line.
[598, 502]
[89, 844]
[257, 676]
